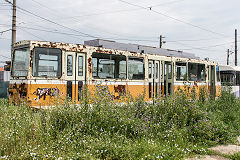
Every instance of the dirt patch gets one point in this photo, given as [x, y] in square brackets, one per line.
[238, 139]
[226, 149]
[208, 158]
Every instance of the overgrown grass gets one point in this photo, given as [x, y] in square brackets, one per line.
[171, 128]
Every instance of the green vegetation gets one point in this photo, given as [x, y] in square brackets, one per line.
[171, 128]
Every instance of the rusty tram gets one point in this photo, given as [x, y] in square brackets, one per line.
[41, 71]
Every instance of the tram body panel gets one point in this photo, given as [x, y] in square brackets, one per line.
[46, 73]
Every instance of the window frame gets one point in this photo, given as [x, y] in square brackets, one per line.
[143, 62]
[71, 73]
[198, 64]
[124, 58]
[82, 64]
[60, 61]
[13, 60]
[186, 65]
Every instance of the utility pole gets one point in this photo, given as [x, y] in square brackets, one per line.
[161, 41]
[14, 28]
[235, 47]
[228, 57]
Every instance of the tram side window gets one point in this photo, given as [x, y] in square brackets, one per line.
[218, 74]
[227, 78]
[196, 72]
[108, 66]
[69, 65]
[156, 71]
[136, 68]
[237, 78]
[150, 70]
[47, 62]
[181, 71]
[80, 66]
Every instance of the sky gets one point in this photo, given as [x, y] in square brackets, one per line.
[205, 28]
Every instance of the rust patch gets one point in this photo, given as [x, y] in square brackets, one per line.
[31, 59]
[120, 89]
[20, 89]
[90, 65]
[195, 84]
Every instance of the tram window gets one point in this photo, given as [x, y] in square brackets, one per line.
[237, 78]
[181, 71]
[108, 66]
[69, 65]
[80, 66]
[122, 70]
[196, 72]
[21, 62]
[169, 71]
[149, 70]
[227, 78]
[162, 70]
[218, 73]
[47, 62]
[156, 71]
[94, 67]
[135, 68]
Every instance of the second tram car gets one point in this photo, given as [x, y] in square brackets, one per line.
[230, 79]
[43, 72]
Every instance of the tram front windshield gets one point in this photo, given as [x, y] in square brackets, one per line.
[20, 62]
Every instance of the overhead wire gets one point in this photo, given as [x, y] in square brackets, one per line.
[88, 35]
[173, 18]
[32, 34]
[75, 35]
[138, 6]
[1, 32]
[53, 22]
[166, 3]
[209, 46]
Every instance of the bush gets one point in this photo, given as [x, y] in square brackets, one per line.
[171, 128]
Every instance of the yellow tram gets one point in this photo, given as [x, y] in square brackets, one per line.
[43, 72]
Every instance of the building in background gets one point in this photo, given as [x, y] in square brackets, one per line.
[4, 82]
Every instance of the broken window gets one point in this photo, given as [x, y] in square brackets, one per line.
[69, 65]
[108, 66]
[196, 72]
[47, 62]
[135, 68]
[181, 71]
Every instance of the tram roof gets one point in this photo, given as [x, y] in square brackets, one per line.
[229, 68]
[106, 44]
[138, 48]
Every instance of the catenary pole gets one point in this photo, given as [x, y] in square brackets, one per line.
[235, 47]
[14, 28]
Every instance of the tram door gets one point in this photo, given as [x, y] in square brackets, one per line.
[74, 69]
[212, 81]
[168, 78]
[157, 83]
[154, 80]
